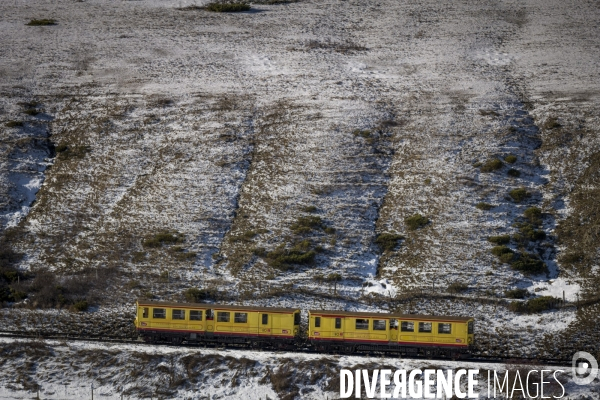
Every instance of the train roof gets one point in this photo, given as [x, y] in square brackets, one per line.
[215, 306]
[390, 315]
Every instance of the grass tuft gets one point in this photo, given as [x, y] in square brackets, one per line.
[491, 165]
[416, 221]
[388, 241]
[511, 159]
[484, 206]
[519, 194]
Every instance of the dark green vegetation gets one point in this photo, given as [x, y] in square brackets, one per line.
[502, 239]
[31, 111]
[284, 259]
[163, 238]
[72, 152]
[536, 305]
[484, 206]
[388, 241]
[491, 165]
[516, 293]
[519, 194]
[227, 7]
[551, 123]
[195, 295]
[511, 159]
[513, 172]
[534, 215]
[457, 287]
[308, 224]
[14, 124]
[529, 264]
[41, 22]
[416, 221]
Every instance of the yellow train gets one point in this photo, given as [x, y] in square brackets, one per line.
[162, 322]
[328, 331]
[408, 334]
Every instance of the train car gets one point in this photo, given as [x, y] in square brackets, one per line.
[162, 322]
[406, 334]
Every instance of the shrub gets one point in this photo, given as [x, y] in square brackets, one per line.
[41, 22]
[534, 215]
[528, 233]
[513, 172]
[81, 305]
[502, 239]
[388, 241]
[484, 206]
[516, 293]
[551, 123]
[31, 111]
[309, 209]
[329, 230]
[457, 287]
[507, 258]
[571, 258]
[536, 305]
[307, 224]
[161, 238]
[491, 165]
[283, 258]
[500, 250]
[529, 265]
[227, 7]
[511, 159]
[195, 295]
[519, 194]
[365, 133]
[416, 221]
[14, 124]
[61, 148]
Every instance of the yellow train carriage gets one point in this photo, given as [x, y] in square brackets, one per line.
[217, 323]
[402, 333]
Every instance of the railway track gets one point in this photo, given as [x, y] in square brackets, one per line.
[132, 340]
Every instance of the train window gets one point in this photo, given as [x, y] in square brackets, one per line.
[379, 324]
[317, 322]
[265, 319]
[195, 315]
[394, 324]
[222, 316]
[297, 318]
[145, 312]
[444, 328]
[240, 317]
[178, 314]
[407, 326]
[470, 328]
[425, 327]
[338, 323]
[160, 313]
[362, 324]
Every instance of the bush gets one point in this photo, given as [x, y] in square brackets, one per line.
[551, 123]
[528, 233]
[534, 215]
[284, 259]
[309, 209]
[511, 159]
[516, 293]
[363, 133]
[416, 221]
[227, 7]
[61, 148]
[306, 224]
[41, 22]
[491, 165]
[14, 124]
[536, 305]
[81, 305]
[513, 172]
[329, 230]
[529, 265]
[388, 241]
[484, 206]
[507, 258]
[500, 250]
[502, 239]
[519, 194]
[161, 238]
[31, 111]
[195, 295]
[457, 287]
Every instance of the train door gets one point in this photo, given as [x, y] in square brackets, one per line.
[265, 324]
[393, 330]
[143, 317]
[210, 322]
